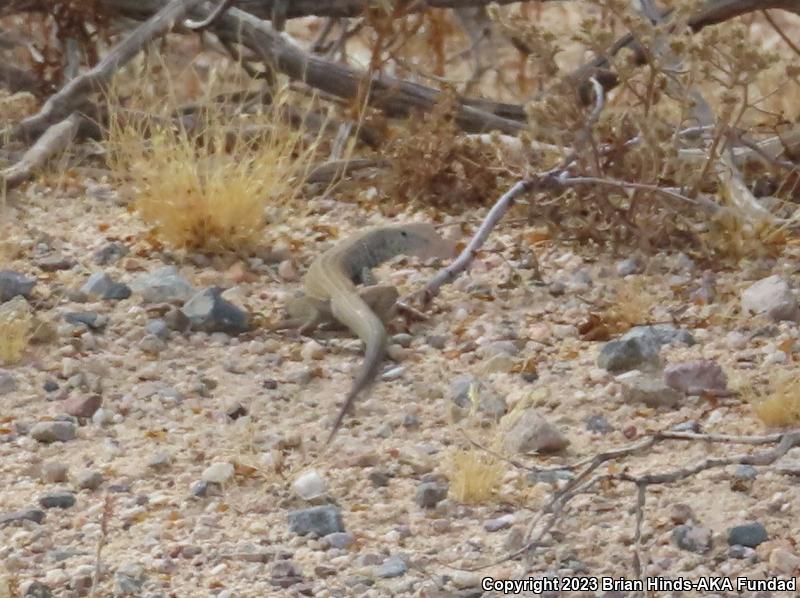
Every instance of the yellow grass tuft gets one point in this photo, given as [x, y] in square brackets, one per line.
[204, 182]
[16, 322]
[779, 405]
[475, 476]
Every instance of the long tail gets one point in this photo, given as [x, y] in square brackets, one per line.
[370, 329]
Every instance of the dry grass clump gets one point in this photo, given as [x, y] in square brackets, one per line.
[433, 164]
[779, 404]
[475, 476]
[203, 176]
[16, 323]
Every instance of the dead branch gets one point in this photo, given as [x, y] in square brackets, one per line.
[55, 140]
[74, 93]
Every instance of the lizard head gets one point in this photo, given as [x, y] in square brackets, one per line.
[420, 239]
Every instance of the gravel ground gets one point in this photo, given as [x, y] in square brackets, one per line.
[194, 461]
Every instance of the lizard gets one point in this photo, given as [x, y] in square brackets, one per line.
[331, 294]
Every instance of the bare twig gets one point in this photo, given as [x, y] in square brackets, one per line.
[70, 97]
[55, 140]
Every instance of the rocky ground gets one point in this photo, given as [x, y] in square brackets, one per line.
[145, 423]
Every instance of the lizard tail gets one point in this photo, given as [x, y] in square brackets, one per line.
[373, 356]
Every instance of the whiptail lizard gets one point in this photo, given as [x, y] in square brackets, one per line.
[330, 291]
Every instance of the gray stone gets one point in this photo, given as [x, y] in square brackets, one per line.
[57, 500]
[694, 538]
[8, 383]
[430, 493]
[339, 540]
[632, 265]
[90, 319]
[660, 334]
[598, 424]
[55, 262]
[489, 402]
[13, 284]
[110, 254]
[54, 472]
[164, 285]
[157, 328]
[653, 392]
[771, 296]
[35, 515]
[696, 377]
[88, 479]
[749, 534]
[129, 579]
[210, 312]
[628, 354]
[321, 521]
[499, 523]
[746, 472]
[53, 431]
[530, 432]
[101, 285]
[394, 566]
[36, 589]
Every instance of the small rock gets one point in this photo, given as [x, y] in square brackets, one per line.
[378, 478]
[88, 479]
[53, 431]
[161, 460]
[436, 341]
[530, 432]
[164, 285]
[736, 340]
[129, 579]
[218, 473]
[749, 534]
[90, 319]
[176, 320]
[660, 334]
[55, 262]
[783, 562]
[773, 297]
[696, 377]
[13, 284]
[632, 265]
[285, 574]
[338, 540]
[499, 523]
[694, 538]
[8, 383]
[200, 488]
[464, 389]
[36, 589]
[82, 405]
[35, 515]
[157, 328]
[57, 500]
[310, 485]
[430, 493]
[737, 551]
[110, 254]
[210, 312]
[651, 391]
[598, 424]
[101, 285]
[745, 472]
[394, 566]
[681, 513]
[628, 354]
[321, 521]
[54, 472]
[152, 345]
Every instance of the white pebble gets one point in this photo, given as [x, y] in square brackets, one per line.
[218, 473]
[309, 485]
